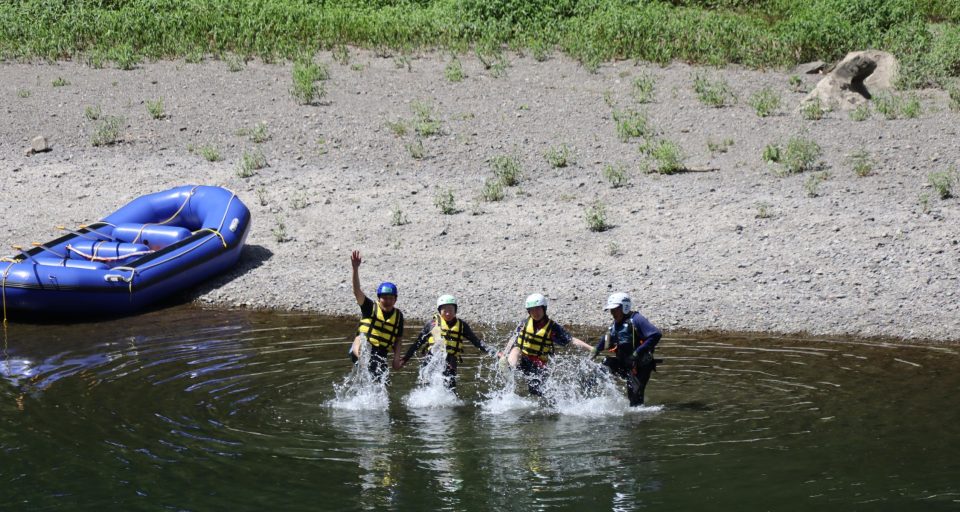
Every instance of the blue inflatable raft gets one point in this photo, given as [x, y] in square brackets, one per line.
[156, 245]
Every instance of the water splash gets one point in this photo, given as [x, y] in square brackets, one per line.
[359, 390]
[574, 386]
[433, 389]
[502, 397]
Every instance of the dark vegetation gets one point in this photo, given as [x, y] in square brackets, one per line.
[923, 34]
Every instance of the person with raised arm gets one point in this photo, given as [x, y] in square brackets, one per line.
[381, 323]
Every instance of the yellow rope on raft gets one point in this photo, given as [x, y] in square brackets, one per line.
[3, 291]
[174, 216]
[215, 232]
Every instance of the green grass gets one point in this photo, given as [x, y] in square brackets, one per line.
[616, 175]
[713, 92]
[643, 88]
[813, 110]
[108, 131]
[666, 155]
[942, 182]
[559, 156]
[307, 76]
[259, 133]
[279, 231]
[425, 123]
[397, 217]
[954, 96]
[757, 34]
[60, 82]
[862, 163]
[445, 202]
[861, 112]
[492, 190]
[719, 147]
[507, 169]
[250, 163]
[453, 71]
[23, 93]
[812, 183]
[209, 153]
[155, 108]
[596, 217]
[887, 104]
[800, 155]
[416, 149]
[92, 112]
[631, 124]
[772, 153]
[765, 102]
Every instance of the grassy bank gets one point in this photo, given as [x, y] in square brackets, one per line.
[924, 34]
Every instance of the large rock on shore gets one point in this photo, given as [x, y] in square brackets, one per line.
[855, 80]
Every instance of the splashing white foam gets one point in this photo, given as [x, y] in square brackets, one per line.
[432, 390]
[359, 390]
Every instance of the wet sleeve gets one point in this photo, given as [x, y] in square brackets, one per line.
[421, 339]
[366, 309]
[400, 324]
[645, 331]
[560, 335]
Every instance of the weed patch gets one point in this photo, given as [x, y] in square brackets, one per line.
[713, 92]
[445, 202]
[616, 175]
[596, 217]
[107, 131]
[631, 124]
[507, 169]
[765, 102]
[560, 156]
[155, 108]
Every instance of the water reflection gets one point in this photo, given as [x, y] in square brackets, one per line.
[239, 410]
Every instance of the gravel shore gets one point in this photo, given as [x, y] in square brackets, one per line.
[732, 245]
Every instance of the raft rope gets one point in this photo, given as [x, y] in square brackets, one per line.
[174, 216]
[106, 259]
[214, 233]
[3, 292]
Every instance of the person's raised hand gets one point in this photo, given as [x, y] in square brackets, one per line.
[355, 259]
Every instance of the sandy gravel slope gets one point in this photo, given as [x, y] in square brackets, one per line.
[868, 256]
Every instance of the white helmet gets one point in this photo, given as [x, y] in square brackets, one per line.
[443, 300]
[618, 299]
[535, 300]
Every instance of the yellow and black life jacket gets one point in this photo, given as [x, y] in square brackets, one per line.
[381, 331]
[536, 343]
[452, 333]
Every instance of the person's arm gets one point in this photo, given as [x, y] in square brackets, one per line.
[477, 342]
[421, 339]
[562, 337]
[647, 332]
[397, 358]
[355, 262]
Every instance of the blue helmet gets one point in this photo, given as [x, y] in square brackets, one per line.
[386, 288]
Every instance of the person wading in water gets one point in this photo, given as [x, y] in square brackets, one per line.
[628, 346]
[381, 323]
[534, 339]
[453, 331]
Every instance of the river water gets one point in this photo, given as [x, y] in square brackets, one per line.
[187, 409]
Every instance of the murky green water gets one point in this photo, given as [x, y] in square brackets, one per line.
[195, 410]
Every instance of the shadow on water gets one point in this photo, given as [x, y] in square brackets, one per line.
[192, 409]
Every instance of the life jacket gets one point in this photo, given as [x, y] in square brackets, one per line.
[381, 331]
[536, 343]
[611, 346]
[452, 334]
